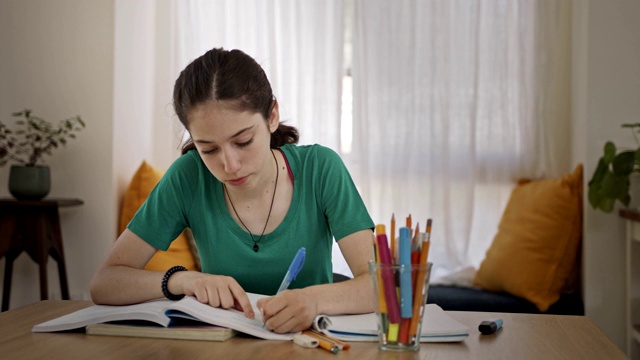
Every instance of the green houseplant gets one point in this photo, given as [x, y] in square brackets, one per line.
[32, 139]
[612, 178]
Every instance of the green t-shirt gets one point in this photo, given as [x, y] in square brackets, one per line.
[325, 204]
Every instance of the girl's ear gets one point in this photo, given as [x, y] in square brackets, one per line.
[274, 117]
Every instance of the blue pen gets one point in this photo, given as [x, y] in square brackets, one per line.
[292, 272]
[294, 269]
[406, 300]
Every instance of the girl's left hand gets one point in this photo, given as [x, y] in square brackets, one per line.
[289, 311]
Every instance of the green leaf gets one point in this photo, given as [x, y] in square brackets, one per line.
[626, 200]
[609, 152]
[595, 195]
[614, 186]
[599, 173]
[606, 205]
[622, 164]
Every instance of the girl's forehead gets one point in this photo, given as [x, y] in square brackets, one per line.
[213, 121]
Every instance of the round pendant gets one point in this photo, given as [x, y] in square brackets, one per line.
[256, 247]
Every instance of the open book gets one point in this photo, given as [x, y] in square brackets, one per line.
[165, 313]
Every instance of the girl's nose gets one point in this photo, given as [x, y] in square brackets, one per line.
[230, 161]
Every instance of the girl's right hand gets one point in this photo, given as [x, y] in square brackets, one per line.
[215, 290]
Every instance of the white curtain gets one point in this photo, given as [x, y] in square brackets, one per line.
[298, 43]
[454, 100]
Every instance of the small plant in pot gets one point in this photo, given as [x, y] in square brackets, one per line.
[26, 145]
[611, 181]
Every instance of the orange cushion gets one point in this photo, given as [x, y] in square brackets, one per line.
[535, 250]
[179, 252]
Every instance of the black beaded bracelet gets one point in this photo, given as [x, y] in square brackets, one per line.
[165, 280]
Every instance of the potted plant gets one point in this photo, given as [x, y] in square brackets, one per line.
[33, 138]
[612, 177]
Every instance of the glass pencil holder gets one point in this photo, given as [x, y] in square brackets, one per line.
[401, 294]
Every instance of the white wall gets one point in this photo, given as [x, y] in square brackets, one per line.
[108, 61]
[146, 128]
[56, 57]
[609, 66]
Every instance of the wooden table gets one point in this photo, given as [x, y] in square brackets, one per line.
[523, 336]
[32, 226]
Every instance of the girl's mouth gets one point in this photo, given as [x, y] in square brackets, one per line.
[238, 181]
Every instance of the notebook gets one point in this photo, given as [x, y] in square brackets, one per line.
[437, 326]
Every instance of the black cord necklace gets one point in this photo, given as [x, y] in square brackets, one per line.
[255, 242]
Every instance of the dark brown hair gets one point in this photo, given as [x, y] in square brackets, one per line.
[234, 77]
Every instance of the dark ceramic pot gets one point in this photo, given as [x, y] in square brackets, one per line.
[29, 182]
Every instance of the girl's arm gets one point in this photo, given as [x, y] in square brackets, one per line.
[122, 280]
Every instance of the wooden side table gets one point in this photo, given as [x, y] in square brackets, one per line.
[33, 226]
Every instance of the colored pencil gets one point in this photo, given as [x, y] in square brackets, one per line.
[388, 281]
[405, 273]
[382, 303]
[417, 300]
[393, 237]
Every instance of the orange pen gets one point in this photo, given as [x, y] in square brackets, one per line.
[323, 343]
[341, 344]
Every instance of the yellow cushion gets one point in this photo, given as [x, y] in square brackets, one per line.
[143, 181]
[535, 251]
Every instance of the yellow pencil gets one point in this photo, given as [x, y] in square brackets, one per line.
[417, 296]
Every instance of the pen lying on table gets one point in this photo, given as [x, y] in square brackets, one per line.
[326, 342]
[341, 344]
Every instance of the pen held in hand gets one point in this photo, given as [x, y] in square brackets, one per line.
[294, 269]
[292, 272]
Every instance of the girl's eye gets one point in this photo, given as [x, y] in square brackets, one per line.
[246, 143]
[211, 151]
